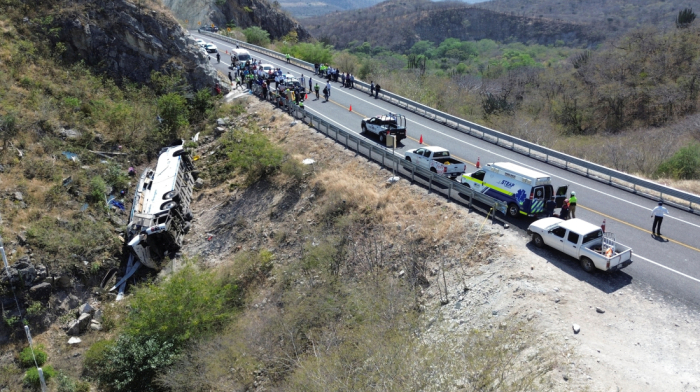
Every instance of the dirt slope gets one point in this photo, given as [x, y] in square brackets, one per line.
[641, 341]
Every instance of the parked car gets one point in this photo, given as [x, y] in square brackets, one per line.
[200, 42]
[583, 241]
[210, 28]
[211, 48]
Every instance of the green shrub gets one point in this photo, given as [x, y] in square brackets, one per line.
[95, 355]
[172, 109]
[31, 378]
[98, 188]
[133, 362]
[251, 152]
[683, 165]
[295, 169]
[117, 177]
[189, 304]
[65, 383]
[27, 360]
[257, 36]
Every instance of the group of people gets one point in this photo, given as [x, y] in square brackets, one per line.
[568, 207]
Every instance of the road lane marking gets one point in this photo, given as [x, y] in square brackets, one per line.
[523, 164]
[668, 268]
[513, 160]
[638, 228]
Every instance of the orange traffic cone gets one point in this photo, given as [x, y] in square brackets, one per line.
[350, 108]
[306, 96]
[603, 226]
[478, 163]
[421, 140]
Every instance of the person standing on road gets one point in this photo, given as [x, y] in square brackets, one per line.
[311, 84]
[303, 82]
[371, 88]
[288, 57]
[316, 89]
[550, 206]
[377, 89]
[328, 86]
[572, 205]
[564, 213]
[218, 57]
[658, 213]
[230, 78]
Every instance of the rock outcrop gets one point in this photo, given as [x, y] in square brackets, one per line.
[126, 41]
[243, 13]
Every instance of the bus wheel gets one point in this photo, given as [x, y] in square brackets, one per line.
[513, 210]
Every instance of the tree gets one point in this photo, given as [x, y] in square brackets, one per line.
[345, 62]
[257, 36]
[685, 18]
[172, 109]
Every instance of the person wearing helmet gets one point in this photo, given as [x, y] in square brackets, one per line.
[572, 205]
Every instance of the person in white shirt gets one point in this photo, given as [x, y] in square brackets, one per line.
[658, 214]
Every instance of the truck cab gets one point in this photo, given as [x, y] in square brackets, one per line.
[388, 124]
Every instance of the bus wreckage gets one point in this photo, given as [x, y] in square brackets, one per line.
[160, 215]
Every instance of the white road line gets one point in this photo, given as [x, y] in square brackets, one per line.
[635, 255]
[668, 268]
[508, 158]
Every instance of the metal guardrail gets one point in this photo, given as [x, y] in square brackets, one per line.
[639, 186]
[453, 190]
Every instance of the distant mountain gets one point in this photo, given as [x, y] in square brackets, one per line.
[609, 15]
[303, 9]
[398, 24]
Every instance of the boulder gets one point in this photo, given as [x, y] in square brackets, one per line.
[63, 281]
[19, 196]
[70, 134]
[95, 325]
[22, 238]
[220, 122]
[86, 308]
[116, 221]
[73, 328]
[74, 340]
[40, 291]
[41, 273]
[97, 316]
[84, 321]
[199, 184]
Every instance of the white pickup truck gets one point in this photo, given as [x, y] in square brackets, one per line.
[437, 160]
[582, 240]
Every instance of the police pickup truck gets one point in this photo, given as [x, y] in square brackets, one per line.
[437, 160]
[583, 241]
[387, 124]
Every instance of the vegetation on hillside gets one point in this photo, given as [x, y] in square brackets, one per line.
[627, 104]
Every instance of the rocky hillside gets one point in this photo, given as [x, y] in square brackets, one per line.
[241, 13]
[608, 15]
[126, 41]
[399, 24]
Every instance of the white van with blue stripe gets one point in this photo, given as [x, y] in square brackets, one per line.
[524, 190]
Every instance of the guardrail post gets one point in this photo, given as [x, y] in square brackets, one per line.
[430, 184]
[471, 198]
[346, 140]
[449, 193]
[383, 156]
[413, 173]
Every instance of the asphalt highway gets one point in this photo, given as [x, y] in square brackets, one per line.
[670, 264]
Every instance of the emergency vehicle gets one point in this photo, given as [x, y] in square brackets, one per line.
[526, 191]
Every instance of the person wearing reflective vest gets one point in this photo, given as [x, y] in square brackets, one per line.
[572, 205]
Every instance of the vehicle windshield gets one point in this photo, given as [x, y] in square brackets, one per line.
[243, 57]
[592, 236]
